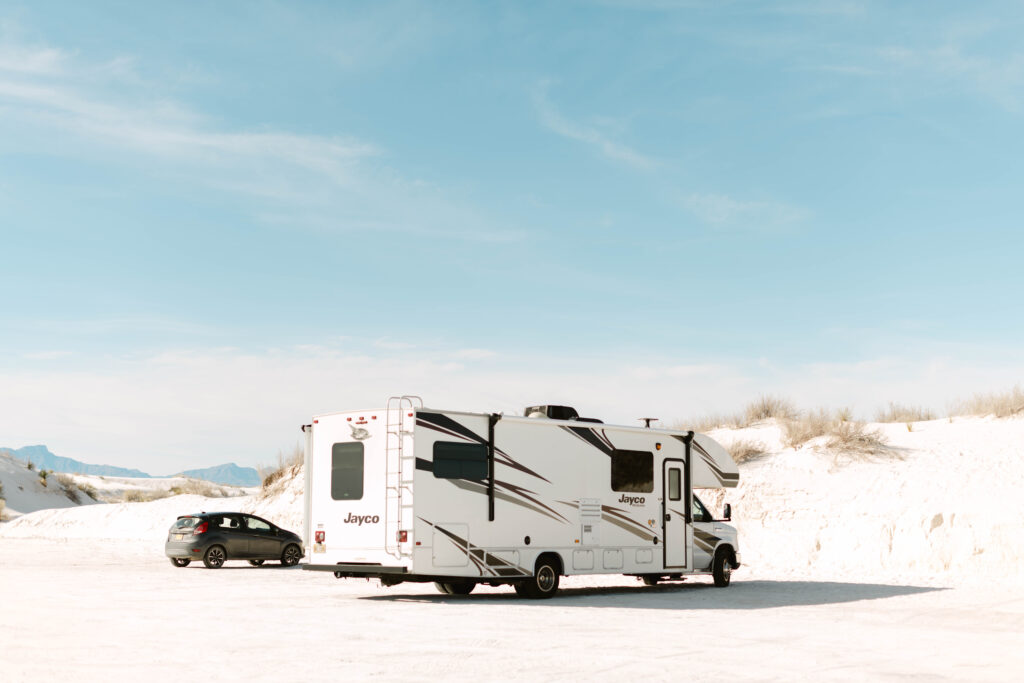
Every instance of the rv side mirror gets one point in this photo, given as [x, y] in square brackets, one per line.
[727, 512]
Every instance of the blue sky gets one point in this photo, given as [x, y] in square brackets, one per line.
[218, 220]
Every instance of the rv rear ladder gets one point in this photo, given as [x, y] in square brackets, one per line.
[398, 479]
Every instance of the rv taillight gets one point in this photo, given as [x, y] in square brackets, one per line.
[320, 536]
[403, 536]
[201, 529]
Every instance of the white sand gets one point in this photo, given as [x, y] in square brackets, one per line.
[907, 566]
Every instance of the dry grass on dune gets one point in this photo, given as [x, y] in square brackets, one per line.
[745, 450]
[763, 408]
[897, 412]
[999, 404]
[285, 464]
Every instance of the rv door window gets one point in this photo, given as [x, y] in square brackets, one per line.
[674, 490]
[632, 471]
[347, 471]
[460, 460]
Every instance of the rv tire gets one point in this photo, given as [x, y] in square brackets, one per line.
[651, 580]
[721, 568]
[544, 582]
[452, 588]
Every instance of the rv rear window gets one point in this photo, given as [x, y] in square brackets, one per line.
[347, 471]
[460, 460]
[632, 471]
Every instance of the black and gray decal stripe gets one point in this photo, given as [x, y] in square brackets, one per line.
[591, 437]
[479, 487]
[448, 426]
[715, 469]
[479, 556]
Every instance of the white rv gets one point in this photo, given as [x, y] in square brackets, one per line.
[407, 493]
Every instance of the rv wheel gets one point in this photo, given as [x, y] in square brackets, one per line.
[544, 582]
[461, 588]
[721, 569]
[650, 580]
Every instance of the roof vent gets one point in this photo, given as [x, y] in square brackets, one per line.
[552, 412]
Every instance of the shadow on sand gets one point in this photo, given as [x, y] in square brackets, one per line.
[687, 596]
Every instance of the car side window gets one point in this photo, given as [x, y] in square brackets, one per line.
[256, 524]
[226, 522]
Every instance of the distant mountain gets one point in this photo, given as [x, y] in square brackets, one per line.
[43, 459]
[228, 473]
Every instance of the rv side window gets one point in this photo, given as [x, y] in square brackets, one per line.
[632, 471]
[460, 460]
[347, 471]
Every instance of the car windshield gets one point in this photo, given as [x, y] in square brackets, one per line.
[186, 522]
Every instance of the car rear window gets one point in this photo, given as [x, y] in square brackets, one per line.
[186, 523]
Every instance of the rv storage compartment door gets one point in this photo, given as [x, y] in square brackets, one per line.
[448, 548]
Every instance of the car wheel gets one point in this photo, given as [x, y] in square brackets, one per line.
[291, 556]
[544, 582]
[214, 557]
[651, 580]
[721, 569]
[180, 561]
[256, 563]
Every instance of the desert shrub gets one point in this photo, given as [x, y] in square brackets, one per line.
[197, 487]
[706, 423]
[31, 465]
[3, 504]
[746, 450]
[798, 430]
[87, 489]
[901, 413]
[854, 438]
[285, 464]
[144, 496]
[768, 407]
[999, 404]
[43, 474]
[67, 484]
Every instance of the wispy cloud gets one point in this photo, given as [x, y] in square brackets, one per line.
[591, 135]
[107, 111]
[723, 210]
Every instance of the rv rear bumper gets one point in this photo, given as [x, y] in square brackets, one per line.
[368, 570]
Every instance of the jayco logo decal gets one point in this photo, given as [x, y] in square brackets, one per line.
[632, 500]
[360, 520]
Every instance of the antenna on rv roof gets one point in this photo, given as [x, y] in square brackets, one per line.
[647, 421]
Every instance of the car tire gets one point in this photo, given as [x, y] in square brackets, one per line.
[256, 563]
[180, 561]
[721, 568]
[214, 557]
[544, 582]
[291, 555]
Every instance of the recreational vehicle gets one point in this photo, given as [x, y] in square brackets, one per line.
[407, 493]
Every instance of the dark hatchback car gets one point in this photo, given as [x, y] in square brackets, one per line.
[214, 537]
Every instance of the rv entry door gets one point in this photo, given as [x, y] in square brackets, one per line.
[673, 513]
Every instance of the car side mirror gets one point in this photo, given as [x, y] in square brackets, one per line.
[727, 512]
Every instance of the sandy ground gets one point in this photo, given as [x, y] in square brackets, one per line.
[83, 610]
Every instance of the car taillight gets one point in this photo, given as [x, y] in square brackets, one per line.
[201, 529]
[320, 536]
[403, 536]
